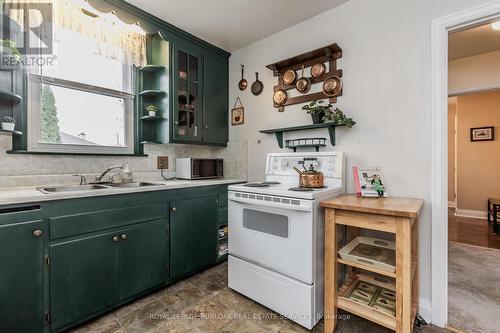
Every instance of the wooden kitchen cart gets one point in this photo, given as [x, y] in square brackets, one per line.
[391, 215]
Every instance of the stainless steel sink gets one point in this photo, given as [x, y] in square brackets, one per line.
[63, 189]
[131, 185]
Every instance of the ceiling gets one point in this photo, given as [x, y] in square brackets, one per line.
[234, 24]
[477, 40]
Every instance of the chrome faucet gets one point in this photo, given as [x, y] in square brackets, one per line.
[99, 179]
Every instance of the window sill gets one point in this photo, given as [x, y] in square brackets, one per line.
[26, 152]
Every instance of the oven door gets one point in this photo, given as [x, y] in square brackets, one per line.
[274, 233]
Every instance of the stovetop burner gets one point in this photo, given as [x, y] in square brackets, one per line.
[306, 189]
[271, 183]
[262, 184]
[256, 185]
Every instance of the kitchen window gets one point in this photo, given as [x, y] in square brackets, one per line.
[84, 101]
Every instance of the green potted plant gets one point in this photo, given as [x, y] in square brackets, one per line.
[317, 110]
[152, 109]
[320, 112]
[8, 123]
[338, 117]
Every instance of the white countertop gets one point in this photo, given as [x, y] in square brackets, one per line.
[30, 195]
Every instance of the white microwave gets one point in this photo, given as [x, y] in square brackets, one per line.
[199, 168]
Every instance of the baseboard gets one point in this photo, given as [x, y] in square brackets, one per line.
[455, 330]
[474, 214]
[452, 204]
[425, 309]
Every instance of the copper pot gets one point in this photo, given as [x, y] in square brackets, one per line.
[303, 84]
[310, 178]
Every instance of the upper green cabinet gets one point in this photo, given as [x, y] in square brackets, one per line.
[188, 106]
[200, 97]
[215, 90]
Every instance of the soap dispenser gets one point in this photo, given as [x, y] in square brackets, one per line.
[126, 175]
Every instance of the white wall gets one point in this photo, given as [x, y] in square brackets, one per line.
[386, 62]
[473, 72]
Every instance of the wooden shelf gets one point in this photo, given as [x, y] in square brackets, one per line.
[366, 312]
[11, 97]
[151, 93]
[152, 68]
[329, 52]
[223, 239]
[11, 132]
[279, 131]
[366, 268]
[362, 310]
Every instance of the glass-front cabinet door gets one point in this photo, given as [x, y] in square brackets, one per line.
[187, 96]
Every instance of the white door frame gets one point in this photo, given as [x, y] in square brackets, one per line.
[439, 150]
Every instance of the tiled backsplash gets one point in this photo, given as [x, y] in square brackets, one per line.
[22, 170]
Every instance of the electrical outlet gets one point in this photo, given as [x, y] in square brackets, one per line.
[162, 162]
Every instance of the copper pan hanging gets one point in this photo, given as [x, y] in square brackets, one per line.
[303, 84]
[289, 77]
[318, 69]
[280, 96]
[332, 86]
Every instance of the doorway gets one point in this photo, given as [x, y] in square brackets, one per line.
[439, 168]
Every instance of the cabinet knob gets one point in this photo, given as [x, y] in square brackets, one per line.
[37, 233]
[124, 236]
[206, 126]
[176, 122]
[115, 239]
[174, 209]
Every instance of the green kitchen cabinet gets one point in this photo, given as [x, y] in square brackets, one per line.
[21, 273]
[143, 258]
[83, 278]
[91, 274]
[187, 95]
[200, 96]
[215, 92]
[194, 238]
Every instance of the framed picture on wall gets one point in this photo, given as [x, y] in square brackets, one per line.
[482, 133]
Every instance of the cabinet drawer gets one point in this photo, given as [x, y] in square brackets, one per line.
[222, 199]
[223, 215]
[75, 224]
[366, 220]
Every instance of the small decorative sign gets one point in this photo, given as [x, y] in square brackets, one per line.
[238, 113]
[482, 134]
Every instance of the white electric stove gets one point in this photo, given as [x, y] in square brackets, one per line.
[276, 236]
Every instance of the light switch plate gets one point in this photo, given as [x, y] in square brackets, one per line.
[162, 162]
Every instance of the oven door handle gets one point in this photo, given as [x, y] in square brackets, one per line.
[271, 204]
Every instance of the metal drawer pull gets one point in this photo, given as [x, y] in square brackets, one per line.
[174, 209]
[124, 236]
[115, 239]
[37, 233]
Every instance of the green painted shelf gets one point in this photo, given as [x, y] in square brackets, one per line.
[279, 131]
[152, 93]
[8, 96]
[11, 132]
[152, 68]
[150, 118]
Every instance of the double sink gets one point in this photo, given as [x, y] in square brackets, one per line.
[93, 187]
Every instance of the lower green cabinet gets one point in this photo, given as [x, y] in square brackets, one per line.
[91, 274]
[21, 276]
[83, 278]
[143, 258]
[193, 228]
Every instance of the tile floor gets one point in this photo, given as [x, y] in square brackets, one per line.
[204, 303]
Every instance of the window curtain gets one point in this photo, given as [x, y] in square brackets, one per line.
[115, 38]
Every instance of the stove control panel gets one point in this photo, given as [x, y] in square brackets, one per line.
[282, 164]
